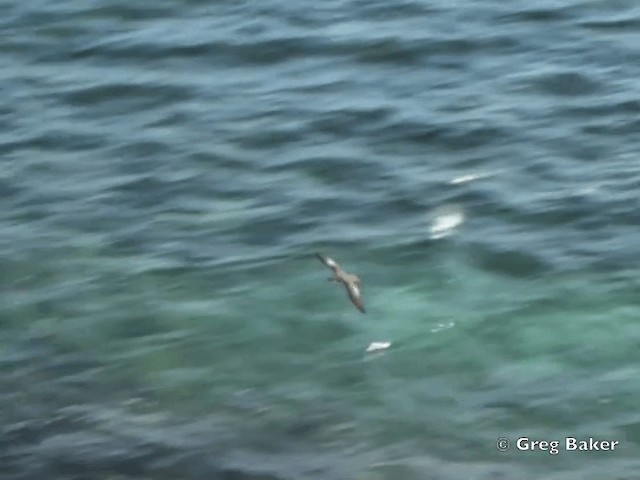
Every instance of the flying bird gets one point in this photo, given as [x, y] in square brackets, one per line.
[350, 281]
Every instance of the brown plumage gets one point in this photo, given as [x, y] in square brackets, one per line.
[350, 281]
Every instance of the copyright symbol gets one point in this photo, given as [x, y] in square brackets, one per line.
[503, 444]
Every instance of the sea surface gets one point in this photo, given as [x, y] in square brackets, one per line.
[169, 168]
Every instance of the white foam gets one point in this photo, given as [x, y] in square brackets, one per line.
[442, 326]
[445, 221]
[471, 177]
[375, 346]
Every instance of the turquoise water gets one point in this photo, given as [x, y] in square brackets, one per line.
[169, 171]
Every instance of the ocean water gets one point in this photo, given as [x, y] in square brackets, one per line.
[170, 168]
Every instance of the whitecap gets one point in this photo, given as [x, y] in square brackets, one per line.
[445, 220]
[376, 346]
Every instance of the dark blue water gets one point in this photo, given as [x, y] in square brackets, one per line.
[168, 171]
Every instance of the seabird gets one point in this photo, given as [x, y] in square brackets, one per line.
[350, 281]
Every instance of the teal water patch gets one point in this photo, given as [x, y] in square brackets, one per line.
[475, 354]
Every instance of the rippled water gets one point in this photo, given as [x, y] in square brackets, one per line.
[168, 171]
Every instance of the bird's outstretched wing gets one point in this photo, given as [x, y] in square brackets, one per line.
[355, 295]
[328, 262]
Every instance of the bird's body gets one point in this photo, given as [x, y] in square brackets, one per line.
[349, 280]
